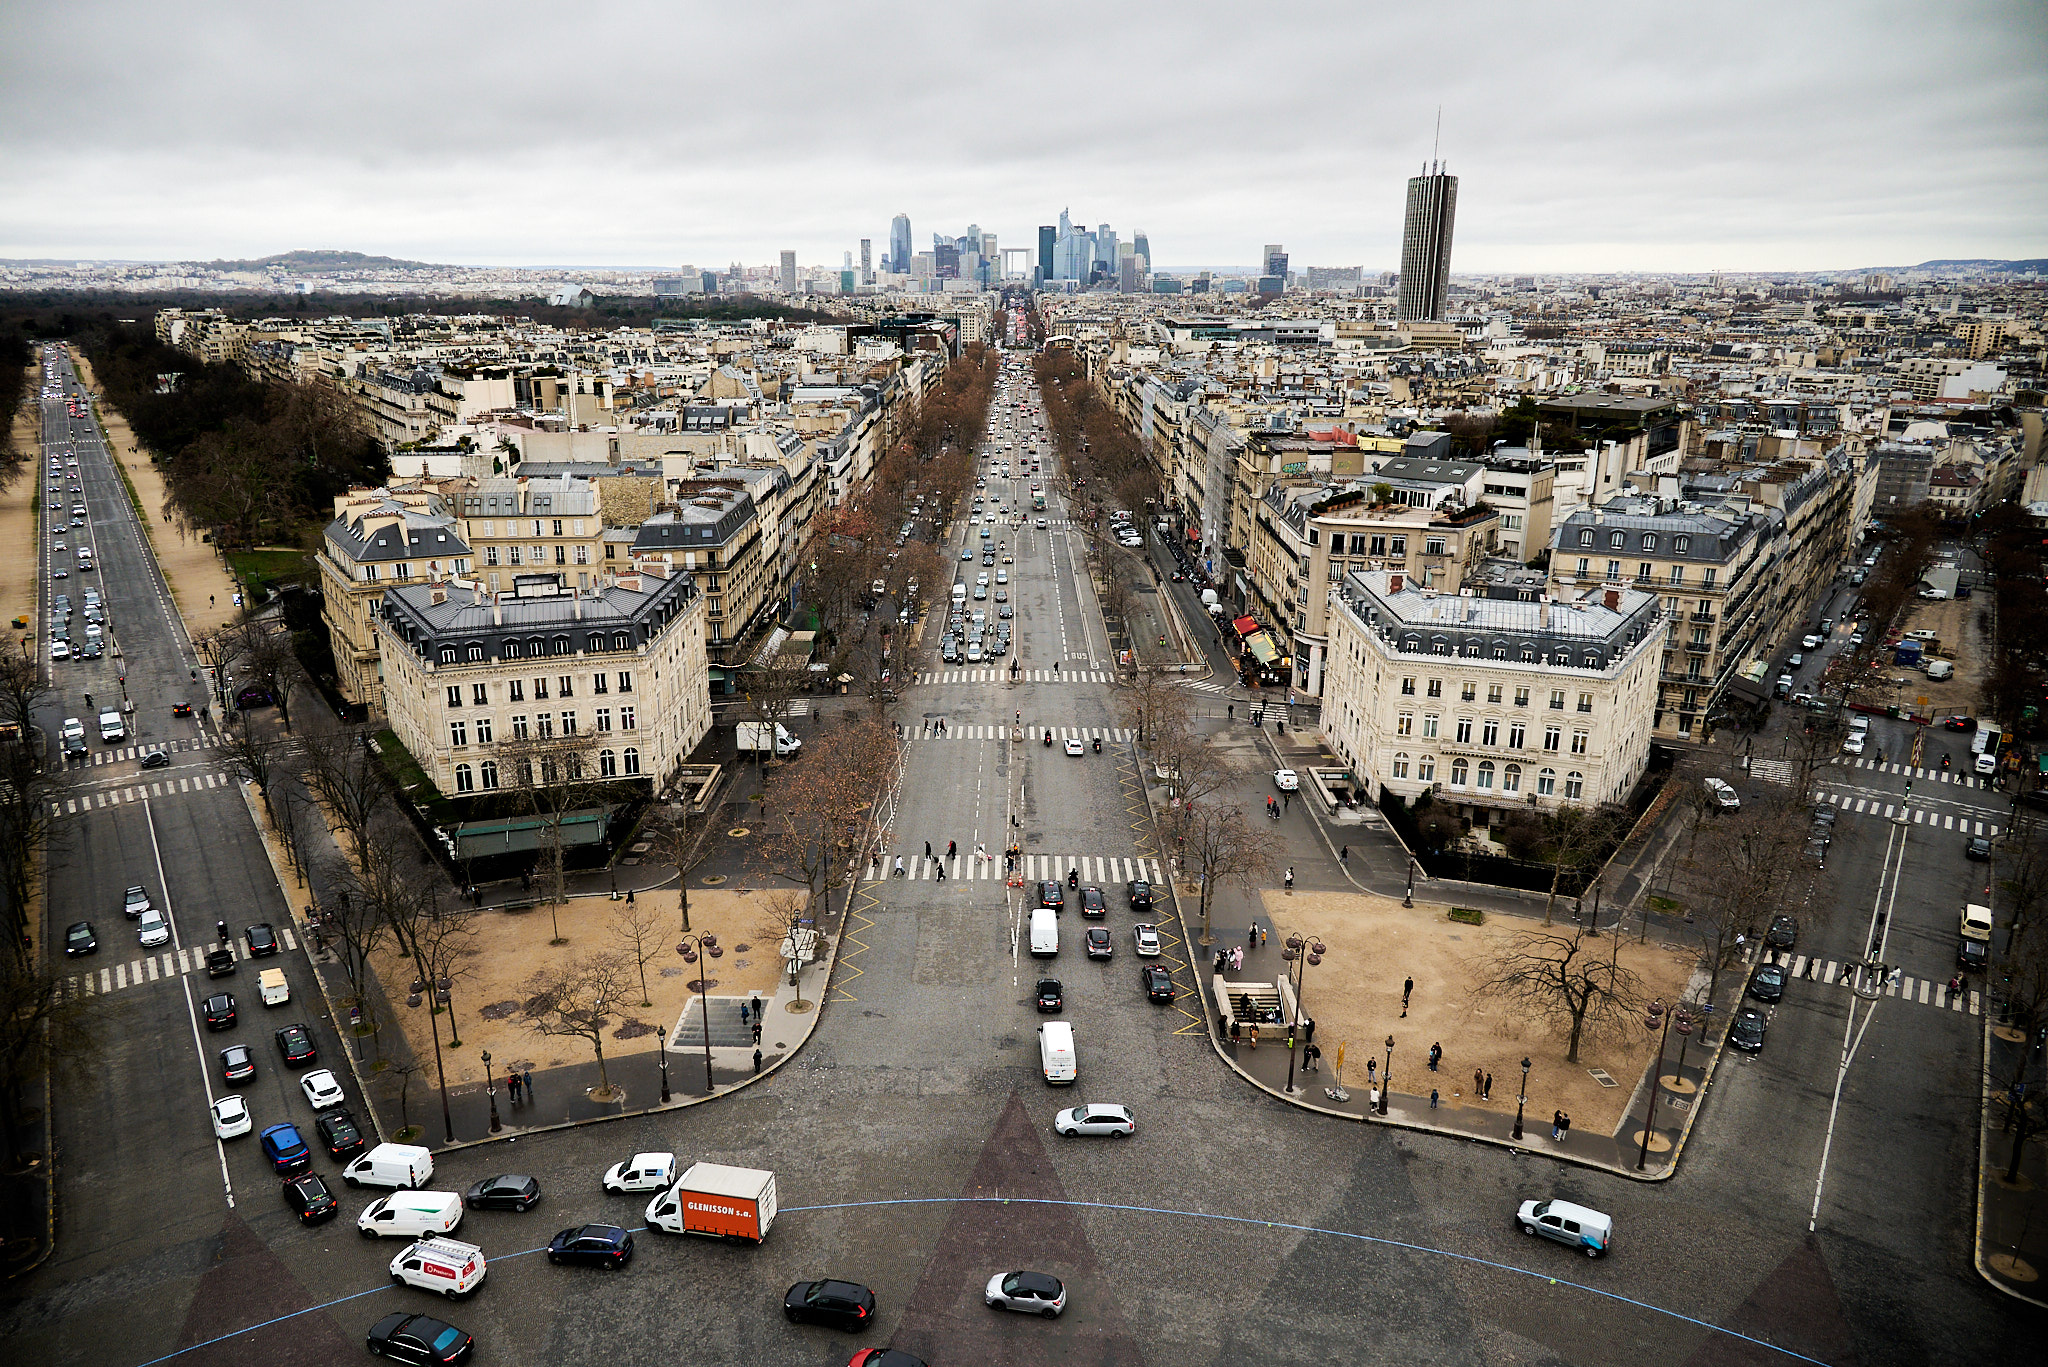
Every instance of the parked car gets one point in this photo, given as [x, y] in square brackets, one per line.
[1977, 847]
[1157, 982]
[1722, 796]
[1145, 939]
[1746, 1031]
[1286, 780]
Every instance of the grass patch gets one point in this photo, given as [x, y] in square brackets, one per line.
[1661, 903]
[1471, 916]
[404, 769]
[262, 571]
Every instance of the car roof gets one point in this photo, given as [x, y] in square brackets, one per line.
[1036, 1281]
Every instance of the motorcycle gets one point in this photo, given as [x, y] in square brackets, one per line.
[1098, 745]
[1048, 738]
[1073, 878]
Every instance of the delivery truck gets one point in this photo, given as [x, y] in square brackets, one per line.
[754, 736]
[718, 1202]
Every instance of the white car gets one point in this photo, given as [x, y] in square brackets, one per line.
[1034, 1293]
[641, 1172]
[134, 902]
[153, 929]
[1147, 937]
[1810, 643]
[231, 1117]
[1041, 524]
[1096, 1119]
[1286, 780]
[1075, 747]
[1721, 794]
[321, 1089]
[74, 729]
[1852, 744]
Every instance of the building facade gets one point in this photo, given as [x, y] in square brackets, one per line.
[1426, 246]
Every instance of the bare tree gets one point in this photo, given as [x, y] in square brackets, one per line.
[770, 697]
[444, 951]
[404, 1071]
[30, 788]
[1577, 838]
[346, 777]
[558, 778]
[2022, 974]
[1565, 977]
[1153, 704]
[677, 839]
[816, 815]
[255, 754]
[787, 917]
[637, 930]
[1222, 848]
[45, 1028]
[570, 1001]
[354, 920]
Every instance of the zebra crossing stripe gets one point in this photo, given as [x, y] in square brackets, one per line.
[1098, 870]
[1922, 991]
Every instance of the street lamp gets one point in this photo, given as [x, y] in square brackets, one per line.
[1303, 954]
[661, 1057]
[1522, 1099]
[1387, 1076]
[491, 1091]
[413, 999]
[1408, 899]
[1655, 1018]
[690, 946]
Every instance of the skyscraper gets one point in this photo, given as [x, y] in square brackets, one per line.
[899, 244]
[1047, 236]
[1144, 246]
[1276, 262]
[789, 272]
[867, 261]
[1426, 245]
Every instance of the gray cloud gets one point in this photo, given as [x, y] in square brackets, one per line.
[1588, 137]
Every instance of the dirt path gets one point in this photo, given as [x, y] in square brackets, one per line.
[200, 584]
[21, 517]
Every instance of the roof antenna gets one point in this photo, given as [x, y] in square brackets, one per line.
[1436, 141]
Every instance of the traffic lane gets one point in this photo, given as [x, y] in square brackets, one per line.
[1076, 804]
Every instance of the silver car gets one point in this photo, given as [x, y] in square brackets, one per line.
[1096, 1119]
[1034, 1293]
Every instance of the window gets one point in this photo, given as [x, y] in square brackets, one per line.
[1707, 577]
[568, 723]
[1425, 768]
[1579, 739]
[1585, 567]
[1643, 570]
[621, 641]
[1553, 736]
[465, 779]
[565, 686]
[1517, 734]
[540, 555]
[561, 645]
[1585, 702]
[1680, 545]
[626, 719]
[604, 719]
[458, 733]
[540, 689]
[544, 725]
[1401, 765]
[1440, 646]
[1546, 782]
[519, 727]
[1557, 695]
[1511, 779]
[1469, 691]
[1614, 569]
[607, 763]
[611, 552]
[600, 682]
[369, 574]
[558, 526]
[1649, 543]
[1485, 775]
[1464, 730]
[1500, 652]
[1408, 686]
[455, 695]
[1399, 546]
[1458, 772]
[632, 758]
[583, 555]
[1677, 574]
[1521, 697]
[1616, 540]
[476, 653]
[625, 679]
[1429, 720]
[447, 655]
[1490, 733]
[512, 555]
[1436, 688]
[488, 772]
[490, 555]
[480, 694]
[1574, 787]
[1404, 725]
[1586, 536]
[1378, 545]
[515, 691]
[1493, 694]
[483, 730]
[1433, 545]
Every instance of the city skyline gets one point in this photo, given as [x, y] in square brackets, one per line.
[1783, 142]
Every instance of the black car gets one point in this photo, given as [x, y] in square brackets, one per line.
[842, 1305]
[262, 940]
[1784, 932]
[1158, 982]
[80, 939]
[1098, 943]
[310, 1199]
[1051, 996]
[220, 963]
[1051, 894]
[418, 1339]
[236, 1065]
[296, 1045]
[884, 1357]
[1092, 904]
[1972, 954]
[1140, 893]
[181, 709]
[220, 1011]
[507, 1191]
[1767, 984]
[341, 1135]
[156, 759]
[598, 1245]
[1746, 1031]
[1977, 847]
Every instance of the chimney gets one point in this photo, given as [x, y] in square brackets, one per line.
[437, 595]
[1613, 600]
[497, 611]
[476, 595]
[1543, 612]
[1393, 583]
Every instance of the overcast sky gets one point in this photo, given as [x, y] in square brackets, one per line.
[1587, 136]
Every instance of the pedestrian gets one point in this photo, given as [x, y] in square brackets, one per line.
[1478, 1081]
[1372, 1068]
[899, 872]
[1315, 1058]
[1290, 877]
[512, 1087]
[1286, 800]
[952, 848]
[760, 1011]
[1432, 1098]
[526, 1082]
[1230, 712]
[757, 1029]
[1344, 855]
[1308, 1029]
[757, 1060]
[743, 1013]
[1486, 1092]
[1564, 1125]
[1255, 1034]
[1557, 1124]
[1407, 991]
[1236, 1031]
[1262, 937]
[941, 871]
[1812, 967]
[1251, 935]
[1436, 1054]
[927, 849]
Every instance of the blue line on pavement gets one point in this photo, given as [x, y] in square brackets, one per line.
[1616, 1296]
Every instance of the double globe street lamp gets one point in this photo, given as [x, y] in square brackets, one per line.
[691, 947]
[1302, 953]
[1654, 1018]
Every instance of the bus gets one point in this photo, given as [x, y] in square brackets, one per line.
[1038, 503]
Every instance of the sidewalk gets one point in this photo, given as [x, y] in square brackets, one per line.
[2012, 1217]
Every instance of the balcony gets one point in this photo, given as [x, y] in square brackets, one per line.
[1699, 647]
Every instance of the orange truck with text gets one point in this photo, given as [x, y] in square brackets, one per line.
[718, 1202]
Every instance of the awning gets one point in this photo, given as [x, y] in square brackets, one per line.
[476, 839]
[1245, 626]
[1261, 647]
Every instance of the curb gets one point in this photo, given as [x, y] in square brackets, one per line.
[1985, 1089]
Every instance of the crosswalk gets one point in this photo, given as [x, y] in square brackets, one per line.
[1069, 676]
[1101, 870]
[136, 792]
[1106, 734]
[1773, 770]
[130, 753]
[1913, 772]
[1921, 816]
[169, 963]
[1832, 973]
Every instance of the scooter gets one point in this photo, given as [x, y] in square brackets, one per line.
[1098, 745]
[1048, 738]
[1073, 878]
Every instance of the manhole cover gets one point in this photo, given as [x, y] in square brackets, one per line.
[712, 880]
[739, 833]
[1603, 1077]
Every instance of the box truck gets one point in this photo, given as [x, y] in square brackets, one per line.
[718, 1202]
[754, 736]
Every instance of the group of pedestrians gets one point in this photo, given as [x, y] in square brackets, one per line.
[519, 1084]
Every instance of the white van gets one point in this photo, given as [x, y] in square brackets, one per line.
[273, 988]
[1045, 933]
[1056, 1053]
[411, 1214]
[448, 1266]
[1580, 1227]
[391, 1165]
[111, 726]
[1937, 670]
